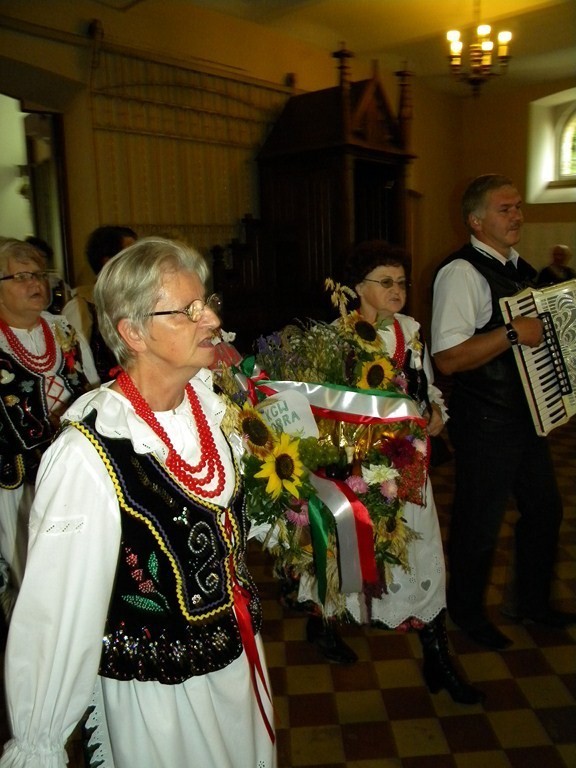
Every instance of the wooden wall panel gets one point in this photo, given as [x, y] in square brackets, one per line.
[175, 147]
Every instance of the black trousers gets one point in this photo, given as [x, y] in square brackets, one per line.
[498, 456]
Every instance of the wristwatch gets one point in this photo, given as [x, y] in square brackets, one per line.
[511, 334]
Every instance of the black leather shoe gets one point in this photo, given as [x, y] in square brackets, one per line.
[552, 618]
[490, 637]
[325, 637]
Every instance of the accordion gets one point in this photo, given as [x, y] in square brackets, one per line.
[548, 372]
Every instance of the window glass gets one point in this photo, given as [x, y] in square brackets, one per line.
[568, 148]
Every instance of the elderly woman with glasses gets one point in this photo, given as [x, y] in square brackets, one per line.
[43, 366]
[137, 601]
[379, 274]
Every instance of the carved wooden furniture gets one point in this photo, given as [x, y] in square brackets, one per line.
[332, 172]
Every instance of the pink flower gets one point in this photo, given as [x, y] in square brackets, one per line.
[357, 484]
[389, 489]
[298, 513]
[421, 446]
[146, 586]
[401, 382]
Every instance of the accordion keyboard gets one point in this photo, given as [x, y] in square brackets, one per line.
[548, 372]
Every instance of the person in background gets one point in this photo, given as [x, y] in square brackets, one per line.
[137, 596]
[379, 273]
[59, 289]
[558, 270]
[43, 366]
[103, 244]
[497, 451]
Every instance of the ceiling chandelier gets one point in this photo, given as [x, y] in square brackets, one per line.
[481, 54]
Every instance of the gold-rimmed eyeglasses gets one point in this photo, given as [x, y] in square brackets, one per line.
[26, 277]
[388, 282]
[194, 310]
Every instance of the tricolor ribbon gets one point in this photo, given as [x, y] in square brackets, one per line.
[332, 401]
[247, 375]
[319, 533]
[354, 529]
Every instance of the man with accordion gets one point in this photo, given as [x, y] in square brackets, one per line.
[498, 452]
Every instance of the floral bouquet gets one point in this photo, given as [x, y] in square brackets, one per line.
[333, 450]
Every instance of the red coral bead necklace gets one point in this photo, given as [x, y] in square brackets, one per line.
[210, 462]
[37, 363]
[400, 350]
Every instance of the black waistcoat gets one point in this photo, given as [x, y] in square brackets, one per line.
[171, 613]
[26, 427]
[496, 384]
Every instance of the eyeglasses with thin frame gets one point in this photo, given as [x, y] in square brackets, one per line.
[388, 282]
[194, 310]
[26, 277]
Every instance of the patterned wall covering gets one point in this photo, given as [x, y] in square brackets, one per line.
[175, 147]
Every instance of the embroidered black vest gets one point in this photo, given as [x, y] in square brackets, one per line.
[497, 383]
[26, 427]
[171, 613]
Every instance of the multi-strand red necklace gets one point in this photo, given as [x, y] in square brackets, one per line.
[400, 350]
[210, 463]
[37, 363]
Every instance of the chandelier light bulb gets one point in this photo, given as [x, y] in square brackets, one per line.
[480, 53]
[503, 40]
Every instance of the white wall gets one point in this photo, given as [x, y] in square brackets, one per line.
[15, 210]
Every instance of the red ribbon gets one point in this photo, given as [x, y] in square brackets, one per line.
[364, 535]
[241, 602]
[353, 418]
[253, 391]
[364, 532]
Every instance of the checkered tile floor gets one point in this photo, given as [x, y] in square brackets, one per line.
[378, 714]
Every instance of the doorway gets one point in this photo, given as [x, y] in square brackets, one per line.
[32, 186]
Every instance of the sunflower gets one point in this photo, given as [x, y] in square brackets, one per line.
[256, 434]
[364, 333]
[376, 374]
[282, 468]
[394, 530]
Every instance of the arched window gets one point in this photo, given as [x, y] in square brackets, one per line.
[551, 172]
[567, 149]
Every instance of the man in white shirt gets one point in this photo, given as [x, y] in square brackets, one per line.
[497, 451]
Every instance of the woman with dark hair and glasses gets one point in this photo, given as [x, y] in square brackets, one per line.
[103, 244]
[137, 600]
[379, 273]
[43, 366]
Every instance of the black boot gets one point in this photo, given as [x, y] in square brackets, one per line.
[324, 635]
[439, 670]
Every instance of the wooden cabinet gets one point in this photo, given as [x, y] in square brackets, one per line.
[332, 173]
